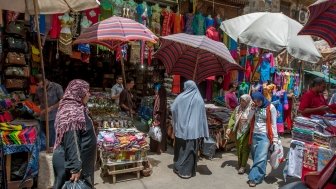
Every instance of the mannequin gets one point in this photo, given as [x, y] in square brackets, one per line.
[65, 39]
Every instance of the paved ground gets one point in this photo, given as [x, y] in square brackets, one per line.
[217, 173]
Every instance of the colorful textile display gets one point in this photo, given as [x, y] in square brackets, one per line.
[122, 140]
[17, 134]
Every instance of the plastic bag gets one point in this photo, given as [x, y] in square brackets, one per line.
[277, 155]
[155, 133]
[81, 184]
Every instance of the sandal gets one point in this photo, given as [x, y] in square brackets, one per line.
[241, 171]
[252, 183]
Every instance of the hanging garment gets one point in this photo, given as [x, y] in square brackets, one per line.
[118, 6]
[156, 20]
[209, 22]
[189, 18]
[265, 67]
[42, 21]
[277, 79]
[140, 11]
[176, 89]
[226, 81]
[178, 25]
[93, 14]
[167, 23]
[277, 101]
[212, 33]
[76, 25]
[199, 24]
[106, 9]
[65, 43]
[288, 114]
[243, 89]
[55, 26]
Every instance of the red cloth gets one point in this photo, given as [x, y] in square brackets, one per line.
[176, 84]
[311, 99]
[212, 33]
[248, 71]
[167, 23]
[93, 14]
[288, 115]
[333, 107]
[55, 26]
[231, 100]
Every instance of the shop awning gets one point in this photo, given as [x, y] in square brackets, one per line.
[319, 74]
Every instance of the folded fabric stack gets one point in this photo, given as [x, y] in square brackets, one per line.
[325, 140]
[307, 123]
[17, 134]
[122, 140]
[303, 135]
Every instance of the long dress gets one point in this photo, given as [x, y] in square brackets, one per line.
[65, 157]
[161, 146]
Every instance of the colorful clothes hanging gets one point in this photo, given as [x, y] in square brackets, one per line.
[198, 24]
[265, 67]
[189, 18]
[178, 24]
[167, 23]
[212, 33]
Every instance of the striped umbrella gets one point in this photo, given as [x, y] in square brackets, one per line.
[115, 31]
[322, 21]
[195, 57]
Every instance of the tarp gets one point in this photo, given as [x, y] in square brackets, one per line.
[325, 77]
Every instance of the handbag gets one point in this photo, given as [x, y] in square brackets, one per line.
[14, 83]
[15, 58]
[17, 44]
[16, 27]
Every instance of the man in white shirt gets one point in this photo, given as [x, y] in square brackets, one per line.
[117, 89]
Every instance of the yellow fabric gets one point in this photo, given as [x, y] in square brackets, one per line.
[268, 89]
[9, 127]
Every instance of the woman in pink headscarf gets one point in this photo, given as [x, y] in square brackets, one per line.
[75, 147]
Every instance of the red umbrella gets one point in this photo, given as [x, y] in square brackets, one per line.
[114, 32]
[322, 21]
[195, 57]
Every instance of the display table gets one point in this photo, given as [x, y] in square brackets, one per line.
[122, 150]
[22, 139]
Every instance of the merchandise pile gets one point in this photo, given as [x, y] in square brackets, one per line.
[17, 134]
[122, 140]
[316, 130]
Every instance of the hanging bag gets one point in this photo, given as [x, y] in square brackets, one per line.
[15, 58]
[81, 184]
[17, 44]
[16, 27]
[276, 154]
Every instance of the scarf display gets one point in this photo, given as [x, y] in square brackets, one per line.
[71, 111]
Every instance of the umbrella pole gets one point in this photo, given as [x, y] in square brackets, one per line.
[123, 69]
[43, 75]
[195, 69]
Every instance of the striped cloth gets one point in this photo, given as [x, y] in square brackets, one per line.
[322, 21]
[115, 31]
[185, 54]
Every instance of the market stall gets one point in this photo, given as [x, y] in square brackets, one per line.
[20, 143]
[121, 147]
[313, 145]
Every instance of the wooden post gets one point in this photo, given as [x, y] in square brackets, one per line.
[43, 73]
[195, 70]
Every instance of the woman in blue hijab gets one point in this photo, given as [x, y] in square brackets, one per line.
[190, 125]
[263, 132]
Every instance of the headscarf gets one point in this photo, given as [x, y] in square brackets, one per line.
[71, 111]
[245, 113]
[189, 117]
[262, 98]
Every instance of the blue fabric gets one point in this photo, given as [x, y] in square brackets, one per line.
[209, 22]
[260, 145]
[233, 44]
[261, 97]
[42, 22]
[278, 103]
[265, 70]
[140, 10]
[189, 116]
[52, 134]
[84, 48]
[157, 86]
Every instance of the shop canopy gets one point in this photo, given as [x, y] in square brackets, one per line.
[325, 77]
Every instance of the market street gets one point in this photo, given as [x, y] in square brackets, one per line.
[217, 173]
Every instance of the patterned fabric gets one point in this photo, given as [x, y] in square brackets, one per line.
[167, 22]
[71, 111]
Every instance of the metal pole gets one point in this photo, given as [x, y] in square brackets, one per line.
[43, 74]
